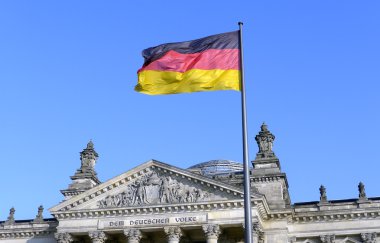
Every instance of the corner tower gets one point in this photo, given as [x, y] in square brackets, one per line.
[267, 177]
[85, 177]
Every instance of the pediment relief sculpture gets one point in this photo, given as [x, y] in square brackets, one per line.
[158, 188]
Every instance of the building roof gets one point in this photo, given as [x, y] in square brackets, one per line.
[215, 167]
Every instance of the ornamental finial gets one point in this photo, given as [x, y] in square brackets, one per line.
[88, 157]
[90, 144]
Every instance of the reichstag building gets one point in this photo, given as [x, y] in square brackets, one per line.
[158, 202]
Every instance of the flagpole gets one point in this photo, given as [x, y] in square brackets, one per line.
[247, 190]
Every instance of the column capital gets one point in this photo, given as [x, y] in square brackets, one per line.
[174, 233]
[98, 236]
[63, 237]
[212, 231]
[257, 231]
[292, 239]
[368, 237]
[134, 235]
[328, 238]
[256, 228]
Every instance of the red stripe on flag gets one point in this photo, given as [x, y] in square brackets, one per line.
[224, 59]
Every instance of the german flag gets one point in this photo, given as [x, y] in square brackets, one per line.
[206, 64]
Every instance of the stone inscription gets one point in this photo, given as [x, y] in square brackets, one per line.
[151, 221]
[153, 188]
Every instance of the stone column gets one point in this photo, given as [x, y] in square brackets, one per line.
[212, 232]
[133, 235]
[63, 237]
[97, 236]
[174, 233]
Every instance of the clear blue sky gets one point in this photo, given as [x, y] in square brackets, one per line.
[68, 69]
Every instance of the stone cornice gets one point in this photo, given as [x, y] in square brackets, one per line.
[260, 204]
[149, 210]
[24, 234]
[322, 216]
[257, 178]
[336, 210]
[27, 230]
[268, 178]
[335, 216]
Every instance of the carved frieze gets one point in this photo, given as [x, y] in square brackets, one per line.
[155, 188]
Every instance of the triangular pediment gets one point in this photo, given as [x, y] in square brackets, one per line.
[152, 183]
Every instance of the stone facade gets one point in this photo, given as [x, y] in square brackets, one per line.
[157, 202]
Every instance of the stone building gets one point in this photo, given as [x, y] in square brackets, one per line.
[157, 202]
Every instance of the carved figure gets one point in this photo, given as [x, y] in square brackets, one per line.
[362, 194]
[265, 142]
[166, 194]
[11, 214]
[39, 217]
[322, 191]
[11, 217]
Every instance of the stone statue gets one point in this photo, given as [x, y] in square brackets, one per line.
[11, 217]
[39, 217]
[323, 196]
[362, 194]
[265, 142]
[12, 213]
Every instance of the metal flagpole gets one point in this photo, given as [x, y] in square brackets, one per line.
[247, 187]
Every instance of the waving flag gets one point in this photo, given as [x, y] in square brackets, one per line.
[206, 64]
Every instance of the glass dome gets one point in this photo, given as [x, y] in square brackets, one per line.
[215, 167]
